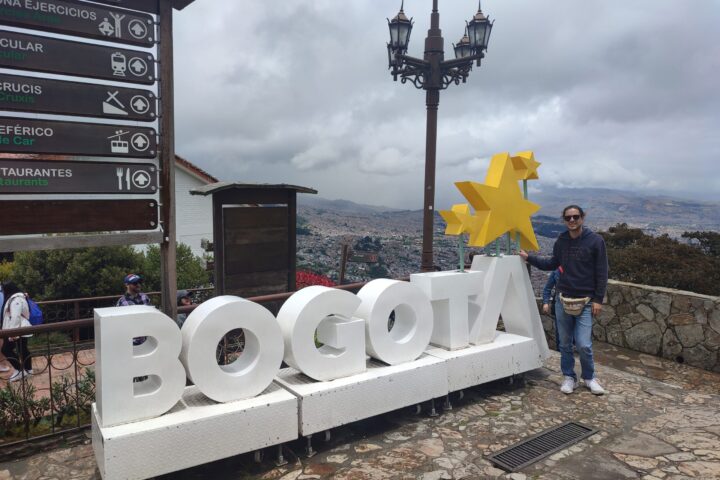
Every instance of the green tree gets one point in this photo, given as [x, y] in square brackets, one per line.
[75, 273]
[660, 261]
[191, 271]
[91, 272]
[709, 241]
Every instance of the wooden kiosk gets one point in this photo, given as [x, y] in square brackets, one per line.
[254, 228]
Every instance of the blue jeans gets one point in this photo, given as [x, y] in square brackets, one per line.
[577, 328]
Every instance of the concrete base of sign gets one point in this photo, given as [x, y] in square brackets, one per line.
[196, 431]
[380, 389]
[506, 355]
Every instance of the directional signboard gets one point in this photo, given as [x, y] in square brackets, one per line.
[82, 19]
[22, 135]
[30, 94]
[65, 216]
[44, 54]
[42, 177]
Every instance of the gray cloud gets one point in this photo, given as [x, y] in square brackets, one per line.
[607, 93]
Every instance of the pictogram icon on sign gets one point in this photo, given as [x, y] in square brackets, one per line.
[118, 62]
[139, 104]
[117, 144]
[140, 142]
[141, 179]
[138, 66]
[112, 105]
[138, 29]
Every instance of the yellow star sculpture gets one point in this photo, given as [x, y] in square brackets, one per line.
[525, 166]
[502, 205]
[459, 219]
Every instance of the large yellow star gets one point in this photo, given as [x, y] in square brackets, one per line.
[525, 166]
[502, 205]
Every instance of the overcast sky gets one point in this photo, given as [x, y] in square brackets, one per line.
[608, 93]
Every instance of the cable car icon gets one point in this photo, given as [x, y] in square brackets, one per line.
[118, 62]
[117, 144]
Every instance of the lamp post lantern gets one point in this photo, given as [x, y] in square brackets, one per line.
[433, 73]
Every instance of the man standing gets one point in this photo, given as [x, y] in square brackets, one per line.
[580, 256]
[134, 296]
[133, 292]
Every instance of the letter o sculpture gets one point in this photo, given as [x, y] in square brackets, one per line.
[253, 370]
[410, 334]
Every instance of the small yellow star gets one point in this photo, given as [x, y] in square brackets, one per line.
[525, 166]
[500, 206]
[458, 219]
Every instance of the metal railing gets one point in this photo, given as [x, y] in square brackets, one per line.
[56, 397]
[79, 308]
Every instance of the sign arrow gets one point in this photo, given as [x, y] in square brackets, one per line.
[140, 105]
[137, 66]
[138, 30]
[140, 142]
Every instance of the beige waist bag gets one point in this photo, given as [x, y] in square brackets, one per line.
[573, 306]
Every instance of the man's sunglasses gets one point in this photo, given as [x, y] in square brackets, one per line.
[571, 217]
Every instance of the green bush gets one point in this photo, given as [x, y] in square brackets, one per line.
[190, 268]
[92, 272]
[662, 261]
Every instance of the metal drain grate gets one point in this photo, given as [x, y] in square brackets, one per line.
[540, 446]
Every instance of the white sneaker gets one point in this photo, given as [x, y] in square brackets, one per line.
[29, 372]
[594, 387]
[18, 375]
[568, 385]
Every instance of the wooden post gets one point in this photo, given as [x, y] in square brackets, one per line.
[292, 238]
[218, 245]
[343, 262]
[168, 247]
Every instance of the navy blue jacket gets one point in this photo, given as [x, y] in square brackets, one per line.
[582, 262]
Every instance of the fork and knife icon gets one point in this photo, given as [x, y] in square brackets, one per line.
[120, 172]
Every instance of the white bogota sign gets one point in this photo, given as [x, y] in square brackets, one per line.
[443, 339]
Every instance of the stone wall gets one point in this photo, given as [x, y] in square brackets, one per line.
[674, 324]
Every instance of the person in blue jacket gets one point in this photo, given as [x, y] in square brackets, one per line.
[581, 256]
[548, 300]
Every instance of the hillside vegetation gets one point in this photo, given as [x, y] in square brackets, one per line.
[663, 261]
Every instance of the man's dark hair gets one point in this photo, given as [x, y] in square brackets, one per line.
[578, 208]
[9, 289]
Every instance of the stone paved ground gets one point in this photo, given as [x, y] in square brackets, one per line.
[659, 420]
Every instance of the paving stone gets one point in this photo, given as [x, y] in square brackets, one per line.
[641, 444]
[642, 463]
[337, 458]
[431, 447]
[367, 447]
[436, 475]
[680, 457]
[700, 469]
[292, 475]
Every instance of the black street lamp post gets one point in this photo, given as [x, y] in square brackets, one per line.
[432, 74]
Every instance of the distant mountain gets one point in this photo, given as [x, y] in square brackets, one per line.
[654, 214]
[338, 205]
[604, 207]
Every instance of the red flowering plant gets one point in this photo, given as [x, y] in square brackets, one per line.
[305, 279]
